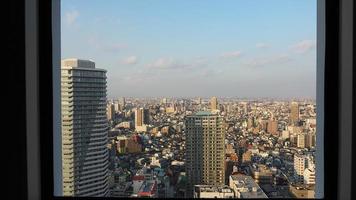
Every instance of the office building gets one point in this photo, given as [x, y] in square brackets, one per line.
[84, 129]
[205, 150]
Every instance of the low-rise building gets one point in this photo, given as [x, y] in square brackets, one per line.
[261, 173]
[148, 189]
[210, 191]
[245, 187]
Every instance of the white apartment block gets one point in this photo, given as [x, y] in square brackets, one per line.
[84, 129]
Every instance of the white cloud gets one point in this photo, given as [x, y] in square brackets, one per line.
[262, 45]
[140, 76]
[161, 63]
[260, 62]
[168, 63]
[103, 46]
[131, 60]
[304, 46]
[233, 54]
[71, 17]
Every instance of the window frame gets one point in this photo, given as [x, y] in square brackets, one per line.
[42, 27]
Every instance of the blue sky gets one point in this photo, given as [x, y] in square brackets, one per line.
[175, 48]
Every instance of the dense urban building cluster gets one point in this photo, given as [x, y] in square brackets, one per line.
[201, 147]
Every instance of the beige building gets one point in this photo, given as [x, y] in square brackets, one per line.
[246, 157]
[170, 109]
[272, 126]
[301, 140]
[205, 150]
[110, 111]
[141, 119]
[84, 129]
[214, 103]
[294, 112]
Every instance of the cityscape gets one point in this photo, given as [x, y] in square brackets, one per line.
[172, 129]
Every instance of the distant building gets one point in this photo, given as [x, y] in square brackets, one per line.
[261, 173]
[246, 157]
[211, 191]
[272, 126]
[245, 187]
[214, 103]
[310, 140]
[301, 140]
[122, 103]
[205, 150]
[230, 162]
[148, 189]
[117, 106]
[111, 111]
[199, 101]
[309, 175]
[230, 149]
[294, 112]
[164, 101]
[137, 182]
[170, 109]
[126, 125]
[165, 130]
[141, 119]
[285, 134]
[302, 192]
[300, 163]
[128, 145]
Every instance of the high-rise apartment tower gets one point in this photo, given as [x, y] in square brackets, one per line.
[205, 150]
[84, 129]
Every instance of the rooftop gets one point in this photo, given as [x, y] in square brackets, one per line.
[212, 188]
[247, 187]
[203, 113]
[75, 62]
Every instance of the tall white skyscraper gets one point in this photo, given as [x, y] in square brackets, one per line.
[84, 129]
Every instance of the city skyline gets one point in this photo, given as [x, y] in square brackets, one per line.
[236, 48]
[186, 148]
